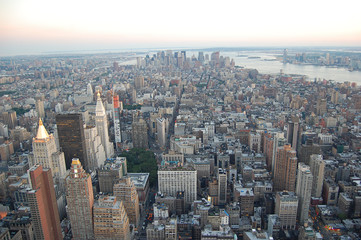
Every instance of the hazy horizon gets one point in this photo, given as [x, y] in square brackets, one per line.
[39, 26]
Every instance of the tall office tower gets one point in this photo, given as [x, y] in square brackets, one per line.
[134, 96]
[292, 131]
[89, 90]
[46, 153]
[184, 55]
[110, 219]
[126, 191]
[285, 55]
[285, 169]
[161, 136]
[39, 106]
[94, 148]
[115, 66]
[303, 191]
[286, 208]
[317, 167]
[272, 141]
[173, 180]
[222, 186]
[43, 206]
[72, 138]
[334, 96]
[80, 199]
[102, 126]
[321, 106]
[110, 173]
[215, 58]
[201, 56]
[116, 121]
[180, 60]
[10, 119]
[140, 133]
[139, 82]
[356, 100]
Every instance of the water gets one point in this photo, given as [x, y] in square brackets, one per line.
[311, 71]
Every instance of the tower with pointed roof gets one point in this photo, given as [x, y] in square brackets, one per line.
[80, 199]
[45, 152]
[89, 90]
[102, 126]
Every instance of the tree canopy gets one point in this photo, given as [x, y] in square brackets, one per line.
[140, 160]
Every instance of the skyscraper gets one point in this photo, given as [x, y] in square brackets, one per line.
[10, 119]
[71, 137]
[102, 126]
[80, 199]
[201, 56]
[222, 186]
[317, 167]
[94, 148]
[89, 90]
[140, 133]
[110, 173]
[292, 131]
[285, 169]
[43, 206]
[321, 106]
[39, 106]
[116, 121]
[139, 82]
[272, 142]
[46, 153]
[161, 134]
[126, 191]
[110, 219]
[303, 191]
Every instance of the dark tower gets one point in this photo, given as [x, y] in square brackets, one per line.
[72, 138]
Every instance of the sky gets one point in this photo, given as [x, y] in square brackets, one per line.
[42, 26]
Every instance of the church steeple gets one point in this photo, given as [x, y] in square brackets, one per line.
[42, 133]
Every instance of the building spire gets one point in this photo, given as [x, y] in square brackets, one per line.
[42, 133]
[99, 109]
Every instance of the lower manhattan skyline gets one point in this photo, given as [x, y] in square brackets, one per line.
[35, 27]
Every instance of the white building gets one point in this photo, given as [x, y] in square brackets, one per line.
[317, 167]
[102, 126]
[46, 153]
[286, 209]
[94, 148]
[172, 180]
[325, 139]
[303, 191]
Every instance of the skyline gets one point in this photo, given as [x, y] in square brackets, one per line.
[33, 27]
